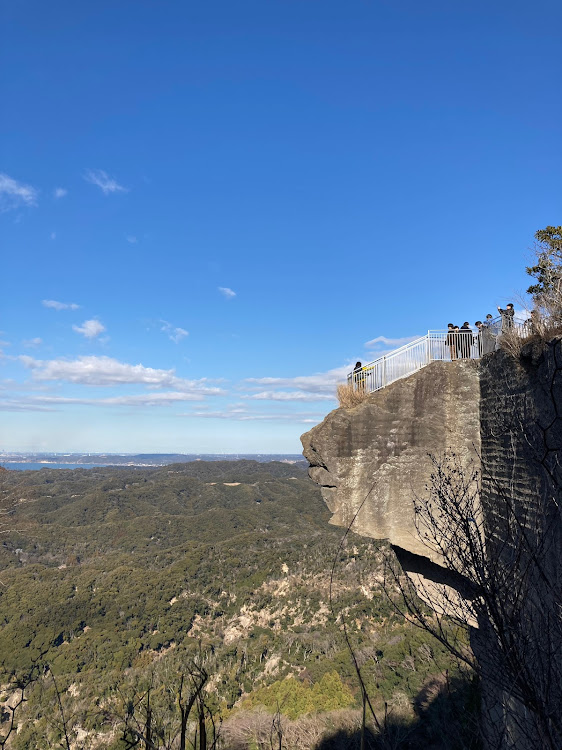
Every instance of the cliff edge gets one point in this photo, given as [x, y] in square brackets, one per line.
[378, 453]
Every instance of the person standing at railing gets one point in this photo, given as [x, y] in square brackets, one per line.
[478, 338]
[450, 341]
[457, 337]
[488, 334]
[465, 340]
[359, 377]
[489, 322]
[507, 316]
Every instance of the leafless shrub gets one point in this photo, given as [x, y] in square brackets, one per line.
[350, 395]
[512, 341]
[253, 729]
[500, 581]
[247, 728]
[16, 690]
[537, 332]
[169, 711]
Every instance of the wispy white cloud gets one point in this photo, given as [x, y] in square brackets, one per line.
[7, 405]
[91, 329]
[60, 192]
[175, 334]
[43, 403]
[106, 371]
[10, 385]
[239, 415]
[54, 305]
[132, 239]
[320, 383]
[2, 345]
[153, 399]
[385, 341]
[291, 396]
[102, 180]
[14, 194]
[226, 292]
[32, 343]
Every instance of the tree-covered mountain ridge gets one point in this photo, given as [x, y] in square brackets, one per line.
[118, 577]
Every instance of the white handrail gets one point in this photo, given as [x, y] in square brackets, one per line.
[401, 348]
[436, 345]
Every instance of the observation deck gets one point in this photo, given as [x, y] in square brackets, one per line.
[436, 345]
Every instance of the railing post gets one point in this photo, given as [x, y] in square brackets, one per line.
[428, 348]
[384, 372]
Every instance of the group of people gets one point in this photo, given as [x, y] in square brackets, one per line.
[461, 341]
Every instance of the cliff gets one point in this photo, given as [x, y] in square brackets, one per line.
[502, 415]
[376, 457]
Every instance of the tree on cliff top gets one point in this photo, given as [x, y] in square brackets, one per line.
[548, 268]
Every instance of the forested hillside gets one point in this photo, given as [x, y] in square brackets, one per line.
[115, 580]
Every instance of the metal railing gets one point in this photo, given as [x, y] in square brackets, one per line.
[445, 346]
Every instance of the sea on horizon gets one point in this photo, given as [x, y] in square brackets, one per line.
[36, 466]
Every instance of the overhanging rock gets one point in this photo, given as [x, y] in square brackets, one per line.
[378, 453]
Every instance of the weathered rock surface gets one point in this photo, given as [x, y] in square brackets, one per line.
[378, 453]
[506, 415]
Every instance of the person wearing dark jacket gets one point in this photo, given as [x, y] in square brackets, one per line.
[359, 376]
[465, 340]
[507, 316]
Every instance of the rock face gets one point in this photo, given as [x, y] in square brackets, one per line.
[378, 453]
[521, 497]
[505, 415]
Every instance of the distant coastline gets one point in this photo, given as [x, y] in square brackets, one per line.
[37, 461]
[31, 466]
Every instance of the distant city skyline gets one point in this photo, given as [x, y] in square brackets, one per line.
[209, 212]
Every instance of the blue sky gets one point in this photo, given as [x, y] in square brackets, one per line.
[208, 209]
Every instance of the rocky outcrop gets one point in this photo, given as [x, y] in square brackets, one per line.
[377, 454]
[505, 415]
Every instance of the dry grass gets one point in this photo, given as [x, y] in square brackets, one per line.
[512, 341]
[546, 325]
[256, 729]
[348, 396]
